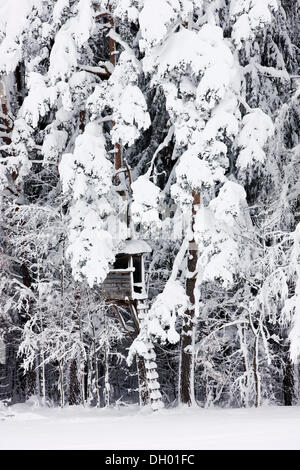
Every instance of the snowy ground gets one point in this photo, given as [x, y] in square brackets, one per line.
[30, 427]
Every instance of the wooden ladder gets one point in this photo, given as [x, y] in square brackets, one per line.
[152, 378]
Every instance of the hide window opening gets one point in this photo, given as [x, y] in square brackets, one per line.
[137, 273]
[121, 262]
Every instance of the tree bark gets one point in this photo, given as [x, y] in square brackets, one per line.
[186, 393]
[288, 378]
[61, 383]
[5, 123]
[143, 390]
[112, 56]
[74, 391]
[256, 372]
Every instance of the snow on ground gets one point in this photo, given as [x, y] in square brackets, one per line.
[27, 426]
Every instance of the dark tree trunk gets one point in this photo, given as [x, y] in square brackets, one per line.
[5, 122]
[31, 382]
[186, 353]
[144, 393]
[74, 392]
[288, 379]
[113, 61]
[186, 361]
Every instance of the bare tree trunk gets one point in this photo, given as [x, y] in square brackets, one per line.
[107, 388]
[245, 385]
[96, 375]
[41, 344]
[255, 365]
[61, 383]
[186, 390]
[74, 390]
[31, 381]
[288, 378]
[106, 378]
[143, 390]
[113, 61]
[5, 122]
[94, 365]
[256, 372]
[82, 363]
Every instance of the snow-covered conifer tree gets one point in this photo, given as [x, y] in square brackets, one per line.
[174, 121]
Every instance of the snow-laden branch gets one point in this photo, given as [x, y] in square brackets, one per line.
[164, 144]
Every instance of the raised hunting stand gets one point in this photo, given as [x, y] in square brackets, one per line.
[125, 282]
[125, 286]
[126, 279]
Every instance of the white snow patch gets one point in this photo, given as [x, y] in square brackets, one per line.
[130, 427]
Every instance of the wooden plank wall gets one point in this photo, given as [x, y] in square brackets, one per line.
[116, 286]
